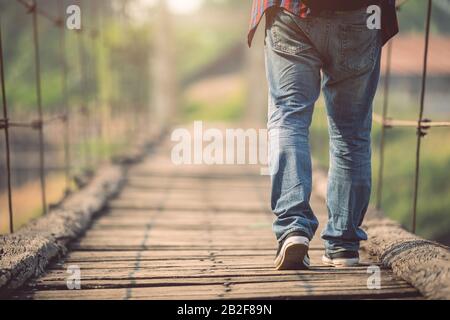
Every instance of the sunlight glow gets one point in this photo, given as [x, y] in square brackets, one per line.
[184, 6]
[177, 6]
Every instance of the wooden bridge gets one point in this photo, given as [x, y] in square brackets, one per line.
[198, 232]
[183, 232]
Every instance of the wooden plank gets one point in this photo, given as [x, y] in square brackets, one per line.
[287, 281]
[76, 256]
[245, 232]
[150, 186]
[93, 246]
[142, 205]
[191, 292]
[238, 291]
[172, 274]
[187, 262]
[222, 194]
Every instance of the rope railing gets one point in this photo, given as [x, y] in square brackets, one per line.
[40, 121]
[422, 125]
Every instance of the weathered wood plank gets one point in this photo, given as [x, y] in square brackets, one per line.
[142, 205]
[238, 291]
[181, 247]
[75, 256]
[217, 271]
[288, 281]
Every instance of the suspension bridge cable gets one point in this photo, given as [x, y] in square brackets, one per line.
[387, 78]
[6, 130]
[420, 132]
[37, 61]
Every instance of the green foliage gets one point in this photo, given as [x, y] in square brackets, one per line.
[203, 37]
[412, 17]
[111, 68]
[99, 148]
[198, 47]
[228, 110]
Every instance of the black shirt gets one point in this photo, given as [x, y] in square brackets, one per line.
[337, 5]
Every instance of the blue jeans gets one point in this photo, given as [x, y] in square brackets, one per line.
[335, 51]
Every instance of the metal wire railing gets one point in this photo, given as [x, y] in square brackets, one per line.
[422, 125]
[38, 124]
[41, 121]
[4, 124]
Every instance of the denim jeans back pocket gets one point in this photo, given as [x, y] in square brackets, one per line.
[287, 36]
[359, 47]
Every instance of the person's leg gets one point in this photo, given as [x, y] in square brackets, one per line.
[293, 72]
[350, 82]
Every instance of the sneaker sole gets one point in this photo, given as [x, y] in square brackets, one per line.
[293, 254]
[340, 263]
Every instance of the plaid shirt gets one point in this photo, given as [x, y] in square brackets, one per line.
[259, 7]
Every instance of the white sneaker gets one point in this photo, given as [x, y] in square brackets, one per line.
[293, 253]
[341, 259]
